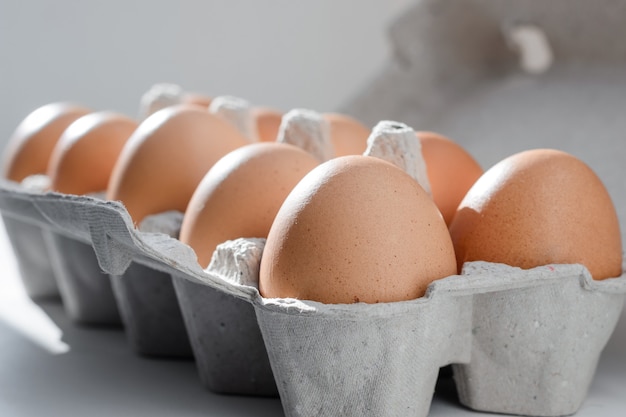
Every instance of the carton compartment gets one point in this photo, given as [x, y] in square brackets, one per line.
[150, 312]
[85, 290]
[32, 257]
[230, 354]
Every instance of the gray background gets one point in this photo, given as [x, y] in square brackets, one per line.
[105, 54]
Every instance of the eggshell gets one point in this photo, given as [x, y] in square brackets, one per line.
[166, 157]
[356, 229]
[539, 207]
[348, 135]
[241, 194]
[451, 171]
[29, 149]
[196, 99]
[267, 122]
[84, 156]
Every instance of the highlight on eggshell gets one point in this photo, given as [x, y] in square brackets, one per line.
[29, 149]
[451, 171]
[167, 156]
[539, 207]
[241, 194]
[86, 152]
[356, 229]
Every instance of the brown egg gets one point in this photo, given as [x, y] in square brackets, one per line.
[356, 229]
[348, 135]
[241, 194]
[267, 123]
[451, 171]
[197, 99]
[539, 207]
[84, 156]
[166, 157]
[29, 149]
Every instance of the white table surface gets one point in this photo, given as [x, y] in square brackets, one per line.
[51, 367]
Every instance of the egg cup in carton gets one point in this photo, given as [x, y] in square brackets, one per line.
[150, 310]
[26, 236]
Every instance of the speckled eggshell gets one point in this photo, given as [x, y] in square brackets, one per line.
[84, 156]
[241, 194]
[165, 159]
[356, 229]
[451, 171]
[539, 207]
[267, 123]
[29, 149]
[348, 135]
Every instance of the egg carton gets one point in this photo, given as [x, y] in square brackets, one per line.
[467, 82]
[86, 293]
[23, 226]
[33, 258]
[520, 341]
[150, 310]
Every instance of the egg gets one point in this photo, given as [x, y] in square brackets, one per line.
[348, 135]
[86, 152]
[451, 171]
[167, 156]
[197, 99]
[241, 194]
[29, 149]
[539, 207]
[356, 229]
[267, 123]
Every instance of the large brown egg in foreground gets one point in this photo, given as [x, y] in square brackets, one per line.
[29, 149]
[84, 156]
[356, 229]
[539, 207]
[241, 194]
[451, 171]
[166, 157]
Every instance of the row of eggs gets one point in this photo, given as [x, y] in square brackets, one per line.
[341, 227]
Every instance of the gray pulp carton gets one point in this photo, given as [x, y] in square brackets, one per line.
[78, 279]
[85, 290]
[147, 300]
[23, 227]
[32, 257]
[230, 354]
[150, 311]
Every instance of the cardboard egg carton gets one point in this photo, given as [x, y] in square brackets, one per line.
[520, 341]
[523, 342]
